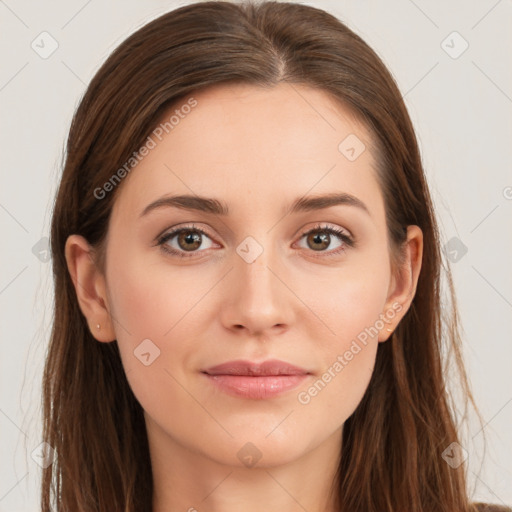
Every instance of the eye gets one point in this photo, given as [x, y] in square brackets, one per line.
[320, 237]
[188, 240]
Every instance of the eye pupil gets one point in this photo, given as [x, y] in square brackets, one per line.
[322, 239]
[189, 237]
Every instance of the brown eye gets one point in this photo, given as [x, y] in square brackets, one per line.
[321, 237]
[189, 240]
[318, 241]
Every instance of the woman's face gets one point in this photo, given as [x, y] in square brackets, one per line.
[252, 287]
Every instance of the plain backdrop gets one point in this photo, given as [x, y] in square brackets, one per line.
[452, 63]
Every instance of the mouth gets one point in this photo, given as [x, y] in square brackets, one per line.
[257, 381]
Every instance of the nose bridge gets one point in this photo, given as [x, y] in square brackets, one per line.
[255, 258]
[258, 297]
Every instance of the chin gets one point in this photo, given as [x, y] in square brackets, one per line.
[252, 449]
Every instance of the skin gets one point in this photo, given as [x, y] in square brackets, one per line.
[257, 150]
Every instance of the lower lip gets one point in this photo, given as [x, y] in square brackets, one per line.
[258, 388]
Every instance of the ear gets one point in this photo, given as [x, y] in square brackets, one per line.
[90, 287]
[403, 285]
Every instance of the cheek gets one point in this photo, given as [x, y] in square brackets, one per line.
[351, 302]
[354, 319]
[149, 299]
[350, 306]
[346, 374]
[155, 310]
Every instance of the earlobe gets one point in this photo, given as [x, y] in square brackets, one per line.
[89, 286]
[403, 285]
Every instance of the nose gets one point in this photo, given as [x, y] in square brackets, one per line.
[257, 299]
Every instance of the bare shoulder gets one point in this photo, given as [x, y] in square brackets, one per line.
[491, 507]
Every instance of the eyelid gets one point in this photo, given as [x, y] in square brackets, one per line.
[321, 226]
[171, 233]
[346, 237]
[179, 227]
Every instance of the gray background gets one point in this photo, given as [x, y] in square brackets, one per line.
[461, 108]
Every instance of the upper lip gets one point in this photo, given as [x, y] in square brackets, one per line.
[249, 368]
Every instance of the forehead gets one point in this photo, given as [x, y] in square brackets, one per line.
[282, 122]
[248, 143]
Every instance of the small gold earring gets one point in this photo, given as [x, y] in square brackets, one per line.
[389, 330]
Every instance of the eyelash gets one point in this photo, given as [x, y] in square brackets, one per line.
[342, 235]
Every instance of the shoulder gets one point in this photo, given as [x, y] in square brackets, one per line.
[491, 507]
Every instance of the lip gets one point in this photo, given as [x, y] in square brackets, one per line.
[249, 368]
[257, 381]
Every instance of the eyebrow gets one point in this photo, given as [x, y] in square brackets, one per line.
[216, 207]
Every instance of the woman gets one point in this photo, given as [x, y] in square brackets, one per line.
[247, 275]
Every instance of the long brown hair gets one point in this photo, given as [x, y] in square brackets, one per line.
[393, 443]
